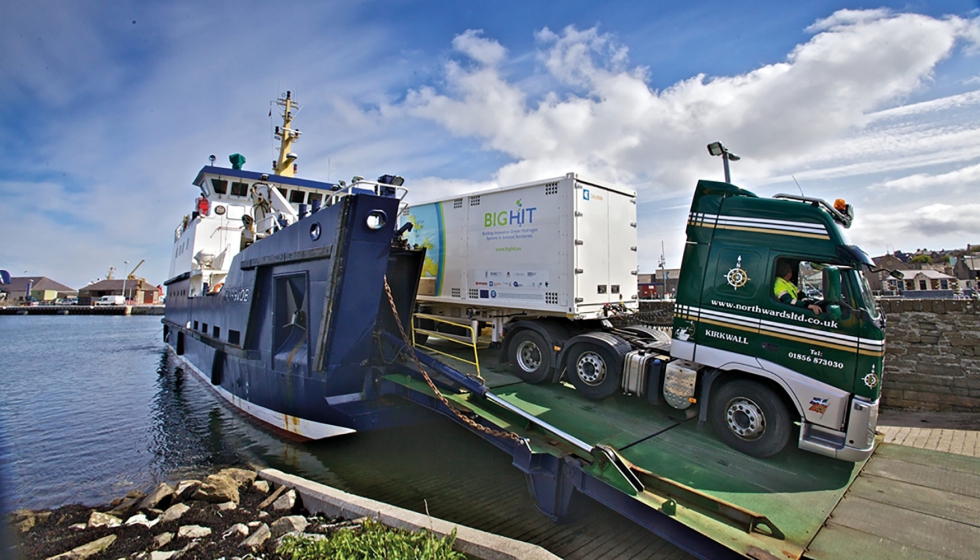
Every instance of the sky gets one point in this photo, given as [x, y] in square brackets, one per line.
[108, 110]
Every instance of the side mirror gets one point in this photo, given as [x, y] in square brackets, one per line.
[831, 292]
[831, 285]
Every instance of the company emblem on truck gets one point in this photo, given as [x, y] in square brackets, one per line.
[737, 277]
[871, 380]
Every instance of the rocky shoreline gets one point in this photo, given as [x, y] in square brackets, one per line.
[230, 514]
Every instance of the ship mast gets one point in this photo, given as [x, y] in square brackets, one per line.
[286, 135]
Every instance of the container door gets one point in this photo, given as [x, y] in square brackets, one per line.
[591, 248]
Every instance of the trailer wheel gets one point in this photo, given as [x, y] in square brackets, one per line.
[529, 356]
[749, 417]
[592, 371]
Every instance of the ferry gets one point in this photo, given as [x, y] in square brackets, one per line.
[274, 291]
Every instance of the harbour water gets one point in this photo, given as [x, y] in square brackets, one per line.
[92, 406]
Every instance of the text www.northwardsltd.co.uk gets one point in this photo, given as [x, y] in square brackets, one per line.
[783, 314]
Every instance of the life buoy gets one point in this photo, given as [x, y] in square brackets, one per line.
[217, 287]
[203, 206]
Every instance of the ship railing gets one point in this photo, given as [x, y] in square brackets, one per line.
[469, 340]
[367, 187]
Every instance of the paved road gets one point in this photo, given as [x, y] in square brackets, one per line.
[949, 432]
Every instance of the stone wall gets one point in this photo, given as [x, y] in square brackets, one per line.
[933, 355]
[933, 352]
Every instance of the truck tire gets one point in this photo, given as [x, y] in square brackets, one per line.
[749, 417]
[530, 356]
[592, 370]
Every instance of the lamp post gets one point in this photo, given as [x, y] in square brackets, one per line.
[125, 266]
[717, 149]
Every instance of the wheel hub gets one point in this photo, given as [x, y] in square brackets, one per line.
[591, 368]
[745, 418]
[528, 356]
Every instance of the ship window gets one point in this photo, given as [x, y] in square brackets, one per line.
[297, 196]
[314, 196]
[239, 189]
[283, 191]
[220, 186]
[195, 325]
[234, 337]
[204, 328]
[217, 331]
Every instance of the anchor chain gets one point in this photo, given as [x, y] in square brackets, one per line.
[466, 420]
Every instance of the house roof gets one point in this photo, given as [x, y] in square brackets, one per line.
[117, 284]
[19, 284]
[928, 273]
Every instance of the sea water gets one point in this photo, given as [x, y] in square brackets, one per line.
[94, 406]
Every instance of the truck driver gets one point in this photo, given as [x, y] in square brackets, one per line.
[786, 291]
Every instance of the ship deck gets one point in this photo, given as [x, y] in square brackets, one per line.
[823, 507]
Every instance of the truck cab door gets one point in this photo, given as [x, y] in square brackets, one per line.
[815, 354]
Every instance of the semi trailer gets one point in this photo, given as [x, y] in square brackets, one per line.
[550, 268]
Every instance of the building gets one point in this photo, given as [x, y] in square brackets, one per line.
[43, 289]
[966, 269]
[651, 285]
[137, 291]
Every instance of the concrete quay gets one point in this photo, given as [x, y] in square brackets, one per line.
[949, 432]
[82, 310]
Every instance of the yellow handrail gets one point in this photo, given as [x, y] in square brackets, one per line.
[469, 341]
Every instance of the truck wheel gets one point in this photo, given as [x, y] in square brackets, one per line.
[750, 418]
[530, 356]
[592, 371]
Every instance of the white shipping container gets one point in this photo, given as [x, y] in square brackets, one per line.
[564, 246]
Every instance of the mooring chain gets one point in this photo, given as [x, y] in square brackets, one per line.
[468, 421]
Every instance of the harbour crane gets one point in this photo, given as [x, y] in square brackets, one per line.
[131, 272]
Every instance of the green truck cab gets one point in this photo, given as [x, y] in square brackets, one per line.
[766, 364]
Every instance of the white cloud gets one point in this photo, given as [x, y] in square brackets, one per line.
[966, 178]
[614, 125]
[484, 51]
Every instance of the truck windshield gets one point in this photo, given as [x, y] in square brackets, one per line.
[867, 298]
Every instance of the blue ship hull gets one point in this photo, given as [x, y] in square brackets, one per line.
[293, 336]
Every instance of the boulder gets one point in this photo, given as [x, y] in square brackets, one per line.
[174, 513]
[254, 524]
[241, 477]
[162, 540]
[140, 519]
[260, 486]
[161, 496]
[218, 488]
[257, 538]
[285, 502]
[86, 550]
[99, 519]
[185, 489]
[77, 527]
[290, 524]
[193, 532]
[227, 506]
[236, 530]
[126, 506]
[272, 497]
[25, 525]
[157, 555]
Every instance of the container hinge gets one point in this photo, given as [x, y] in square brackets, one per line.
[632, 224]
[579, 242]
[579, 300]
[579, 271]
[633, 248]
[634, 272]
[578, 214]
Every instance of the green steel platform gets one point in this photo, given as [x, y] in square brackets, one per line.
[902, 503]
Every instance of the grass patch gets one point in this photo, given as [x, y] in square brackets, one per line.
[372, 540]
